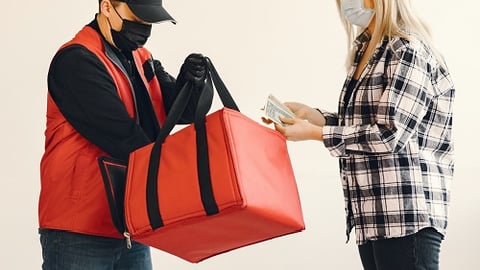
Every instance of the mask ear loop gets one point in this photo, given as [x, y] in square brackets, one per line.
[120, 16]
[110, 23]
[117, 12]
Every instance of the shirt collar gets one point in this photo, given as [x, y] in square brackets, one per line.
[361, 44]
[362, 39]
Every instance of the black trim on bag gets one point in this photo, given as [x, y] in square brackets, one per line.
[114, 175]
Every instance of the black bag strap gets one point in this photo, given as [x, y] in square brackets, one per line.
[223, 93]
[175, 113]
[203, 167]
[178, 107]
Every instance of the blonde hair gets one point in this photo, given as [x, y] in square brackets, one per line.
[393, 18]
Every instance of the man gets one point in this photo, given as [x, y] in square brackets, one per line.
[107, 96]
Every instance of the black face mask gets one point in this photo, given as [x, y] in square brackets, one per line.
[132, 35]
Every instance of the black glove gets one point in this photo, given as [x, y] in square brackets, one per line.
[194, 69]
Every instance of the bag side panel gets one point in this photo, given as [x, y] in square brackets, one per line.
[264, 169]
[136, 215]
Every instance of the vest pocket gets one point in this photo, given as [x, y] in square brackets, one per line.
[83, 176]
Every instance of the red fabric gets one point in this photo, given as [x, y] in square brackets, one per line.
[73, 197]
[253, 185]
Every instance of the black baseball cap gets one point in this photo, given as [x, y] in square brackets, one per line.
[150, 11]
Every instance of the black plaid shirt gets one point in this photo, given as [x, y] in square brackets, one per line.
[393, 139]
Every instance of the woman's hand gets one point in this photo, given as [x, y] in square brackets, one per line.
[299, 130]
[306, 126]
[306, 112]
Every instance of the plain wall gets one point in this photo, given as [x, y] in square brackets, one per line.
[293, 49]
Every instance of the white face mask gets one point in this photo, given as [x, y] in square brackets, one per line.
[356, 14]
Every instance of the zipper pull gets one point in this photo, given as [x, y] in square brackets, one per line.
[128, 240]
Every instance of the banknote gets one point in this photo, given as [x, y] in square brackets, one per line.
[274, 109]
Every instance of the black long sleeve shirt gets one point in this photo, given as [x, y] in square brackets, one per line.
[86, 95]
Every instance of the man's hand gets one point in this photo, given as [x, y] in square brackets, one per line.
[194, 68]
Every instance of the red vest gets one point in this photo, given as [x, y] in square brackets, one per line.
[73, 196]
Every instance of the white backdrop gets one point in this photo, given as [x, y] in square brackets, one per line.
[293, 49]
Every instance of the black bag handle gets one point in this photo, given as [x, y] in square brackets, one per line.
[178, 107]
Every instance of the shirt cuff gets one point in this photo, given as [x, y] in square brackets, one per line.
[333, 141]
[330, 118]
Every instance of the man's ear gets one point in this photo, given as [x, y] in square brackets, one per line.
[106, 8]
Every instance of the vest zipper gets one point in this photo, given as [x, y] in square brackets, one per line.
[128, 240]
[111, 55]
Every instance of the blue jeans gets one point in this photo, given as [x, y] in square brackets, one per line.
[72, 251]
[419, 251]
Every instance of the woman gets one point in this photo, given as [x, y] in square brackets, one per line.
[392, 135]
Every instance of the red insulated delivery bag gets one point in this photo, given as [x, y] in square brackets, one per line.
[221, 183]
